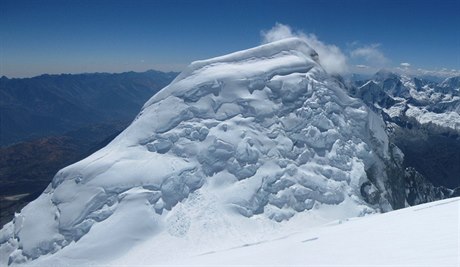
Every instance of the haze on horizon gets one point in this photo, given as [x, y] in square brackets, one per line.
[356, 36]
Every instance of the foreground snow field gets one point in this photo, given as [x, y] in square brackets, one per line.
[424, 235]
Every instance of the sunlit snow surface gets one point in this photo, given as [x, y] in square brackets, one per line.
[424, 235]
[236, 150]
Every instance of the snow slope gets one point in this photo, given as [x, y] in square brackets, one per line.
[424, 235]
[236, 148]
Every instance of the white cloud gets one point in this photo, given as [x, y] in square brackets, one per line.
[371, 55]
[278, 32]
[361, 66]
[331, 57]
[360, 58]
[405, 64]
[441, 73]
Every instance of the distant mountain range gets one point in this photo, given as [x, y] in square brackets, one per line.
[51, 121]
[54, 104]
[423, 120]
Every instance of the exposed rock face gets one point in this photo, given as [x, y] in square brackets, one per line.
[420, 190]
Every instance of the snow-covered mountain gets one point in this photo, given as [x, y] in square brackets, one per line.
[235, 149]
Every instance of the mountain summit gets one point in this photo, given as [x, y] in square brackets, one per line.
[234, 149]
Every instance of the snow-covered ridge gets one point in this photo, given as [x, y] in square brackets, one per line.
[235, 148]
[277, 58]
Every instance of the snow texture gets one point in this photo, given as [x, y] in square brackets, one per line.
[235, 148]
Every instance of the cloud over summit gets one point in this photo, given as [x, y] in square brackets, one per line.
[357, 58]
[330, 56]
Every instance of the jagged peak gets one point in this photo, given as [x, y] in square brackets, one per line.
[368, 84]
[451, 81]
[385, 74]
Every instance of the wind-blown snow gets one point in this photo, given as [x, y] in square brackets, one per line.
[235, 148]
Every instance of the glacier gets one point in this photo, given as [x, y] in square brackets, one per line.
[237, 148]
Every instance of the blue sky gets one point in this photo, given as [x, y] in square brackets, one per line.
[43, 36]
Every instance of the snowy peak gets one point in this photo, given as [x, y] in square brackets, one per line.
[372, 93]
[265, 61]
[234, 146]
[385, 74]
[267, 51]
[452, 83]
